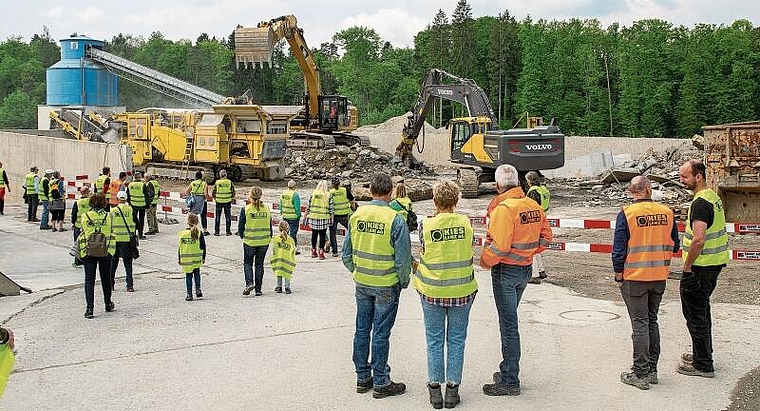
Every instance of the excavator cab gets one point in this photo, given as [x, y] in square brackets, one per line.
[333, 113]
[463, 129]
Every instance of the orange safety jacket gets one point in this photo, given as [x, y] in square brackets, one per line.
[517, 230]
[113, 189]
[650, 246]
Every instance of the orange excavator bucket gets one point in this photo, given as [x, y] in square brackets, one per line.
[254, 46]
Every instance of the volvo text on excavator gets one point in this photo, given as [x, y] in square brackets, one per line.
[325, 119]
[477, 146]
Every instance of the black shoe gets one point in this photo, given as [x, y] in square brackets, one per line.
[46, 228]
[436, 398]
[452, 396]
[189, 297]
[258, 294]
[142, 237]
[363, 386]
[287, 290]
[216, 234]
[205, 232]
[394, 388]
[630, 378]
[542, 274]
[278, 289]
[199, 293]
[229, 233]
[151, 233]
[248, 290]
[130, 289]
[498, 389]
[298, 252]
[88, 314]
[110, 307]
[534, 280]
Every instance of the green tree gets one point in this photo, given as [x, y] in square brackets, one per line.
[18, 111]
[504, 67]
[462, 40]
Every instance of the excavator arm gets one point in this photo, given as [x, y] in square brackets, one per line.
[461, 90]
[254, 46]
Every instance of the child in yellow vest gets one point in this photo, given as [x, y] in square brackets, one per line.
[283, 258]
[191, 255]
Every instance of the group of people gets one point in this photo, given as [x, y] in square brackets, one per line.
[377, 252]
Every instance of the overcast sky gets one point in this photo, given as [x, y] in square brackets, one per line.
[396, 21]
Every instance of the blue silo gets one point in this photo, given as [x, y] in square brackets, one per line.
[79, 81]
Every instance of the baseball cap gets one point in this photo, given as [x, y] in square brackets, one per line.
[121, 195]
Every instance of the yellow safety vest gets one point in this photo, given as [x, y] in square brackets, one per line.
[156, 192]
[715, 250]
[92, 221]
[283, 258]
[446, 268]
[340, 201]
[319, 207]
[198, 187]
[44, 194]
[257, 226]
[650, 246]
[2, 179]
[29, 184]
[373, 256]
[190, 253]
[7, 361]
[406, 205]
[288, 210]
[136, 195]
[545, 196]
[223, 191]
[120, 230]
[99, 184]
[83, 206]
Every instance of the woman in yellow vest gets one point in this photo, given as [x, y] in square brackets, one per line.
[57, 202]
[78, 211]
[319, 216]
[401, 201]
[198, 189]
[97, 220]
[191, 255]
[283, 258]
[445, 280]
[255, 228]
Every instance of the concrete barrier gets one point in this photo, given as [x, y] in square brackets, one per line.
[19, 151]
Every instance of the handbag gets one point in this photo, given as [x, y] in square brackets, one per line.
[57, 204]
[190, 201]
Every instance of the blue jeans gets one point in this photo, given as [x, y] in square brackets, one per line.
[509, 282]
[253, 258]
[436, 331]
[189, 280]
[293, 228]
[45, 214]
[280, 280]
[376, 310]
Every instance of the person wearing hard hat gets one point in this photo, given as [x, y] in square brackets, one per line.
[124, 231]
[31, 190]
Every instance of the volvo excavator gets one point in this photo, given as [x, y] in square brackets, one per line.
[324, 120]
[477, 146]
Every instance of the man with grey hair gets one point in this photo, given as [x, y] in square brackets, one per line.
[645, 239]
[517, 230]
[224, 196]
[377, 250]
[151, 213]
[506, 178]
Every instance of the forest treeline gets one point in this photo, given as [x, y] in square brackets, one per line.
[652, 79]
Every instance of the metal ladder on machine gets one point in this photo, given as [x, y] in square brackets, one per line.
[189, 139]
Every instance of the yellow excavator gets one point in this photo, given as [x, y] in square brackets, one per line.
[324, 120]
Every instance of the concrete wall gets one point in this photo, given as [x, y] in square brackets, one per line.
[18, 152]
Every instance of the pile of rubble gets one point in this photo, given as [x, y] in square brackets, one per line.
[348, 163]
[661, 167]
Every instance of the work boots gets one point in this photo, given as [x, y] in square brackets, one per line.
[321, 254]
[436, 398]
[452, 396]
[313, 253]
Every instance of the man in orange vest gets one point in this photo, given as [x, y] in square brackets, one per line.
[645, 239]
[517, 230]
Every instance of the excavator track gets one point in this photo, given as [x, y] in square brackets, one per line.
[468, 182]
[305, 139]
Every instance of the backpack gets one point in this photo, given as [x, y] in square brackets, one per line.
[411, 218]
[97, 242]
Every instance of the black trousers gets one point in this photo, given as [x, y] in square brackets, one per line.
[642, 298]
[318, 235]
[227, 208]
[91, 266]
[696, 289]
[338, 219]
[138, 216]
[32, 202]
